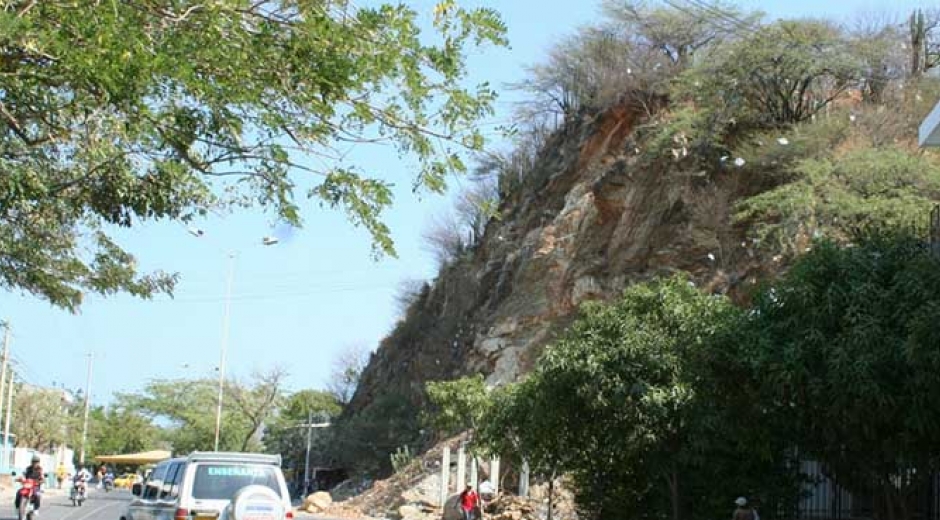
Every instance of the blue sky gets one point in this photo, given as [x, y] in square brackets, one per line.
[299, 303]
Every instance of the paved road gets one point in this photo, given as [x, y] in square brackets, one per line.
[99, 506]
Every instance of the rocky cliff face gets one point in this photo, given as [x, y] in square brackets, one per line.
[588, 221]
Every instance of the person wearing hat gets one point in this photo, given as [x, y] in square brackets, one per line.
[33, 472]
[743, 511]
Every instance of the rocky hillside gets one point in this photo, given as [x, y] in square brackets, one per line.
[588, 220]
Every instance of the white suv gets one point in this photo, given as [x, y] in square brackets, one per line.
[213, 486]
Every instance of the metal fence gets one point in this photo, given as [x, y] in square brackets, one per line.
[825, 499]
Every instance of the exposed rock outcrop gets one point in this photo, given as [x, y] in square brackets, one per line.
[589, 219]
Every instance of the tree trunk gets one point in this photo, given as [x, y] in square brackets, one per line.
[918, 39]
[672, 480]
[888, 497]
[551, 495]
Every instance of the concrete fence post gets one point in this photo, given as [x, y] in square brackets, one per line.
[494, 475]
[474, 474]
[445, 476]
[524, 479]
[461, 468]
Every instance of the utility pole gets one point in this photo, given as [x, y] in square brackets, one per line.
[307, 457]
[3, 366]
[224, 347]
[6, 428]
[81, 456]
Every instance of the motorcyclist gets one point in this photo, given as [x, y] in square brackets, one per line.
[81, 478]
[33, 472]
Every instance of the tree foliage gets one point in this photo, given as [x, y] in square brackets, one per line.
[781, 74]
[633, 54]
[669, 401]
[40, 417]
[629, 379]
[188, 406]
[114, 113]
[114, 430]
[846, 348]
[457, 405]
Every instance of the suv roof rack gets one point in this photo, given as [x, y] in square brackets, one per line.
[227, 456]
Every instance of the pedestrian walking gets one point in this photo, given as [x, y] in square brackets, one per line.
[60, 474]
[743, 510]
[468, 503]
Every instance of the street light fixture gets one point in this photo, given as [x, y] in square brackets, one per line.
[226, 319]
[196, 232]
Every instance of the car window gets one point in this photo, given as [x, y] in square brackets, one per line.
[171, 484]
[155, 482]
[221, 481]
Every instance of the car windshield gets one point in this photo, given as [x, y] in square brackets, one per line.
[222, 481]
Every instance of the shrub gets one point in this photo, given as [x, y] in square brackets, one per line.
[834, 197]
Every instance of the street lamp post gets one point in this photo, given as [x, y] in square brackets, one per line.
[81, 456]
[226, 326]
[307, 456]
[224, 347]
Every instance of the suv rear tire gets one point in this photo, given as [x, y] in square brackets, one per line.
[257, 503]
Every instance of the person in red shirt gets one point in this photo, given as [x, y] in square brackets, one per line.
[469, 500]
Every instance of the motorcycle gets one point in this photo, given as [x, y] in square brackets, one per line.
[108, 484]
[78, 493]
[25, 496]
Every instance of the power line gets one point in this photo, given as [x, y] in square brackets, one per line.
[277, 294]
[737, 25]
[26, 374]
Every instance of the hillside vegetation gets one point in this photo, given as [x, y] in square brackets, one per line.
[724, 147]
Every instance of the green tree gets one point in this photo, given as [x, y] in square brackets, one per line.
[835, 196]
[117, 430]
[774, 76]
[845, 346]
[626, 404]
[457, 405]
[40, 417]
[521, 422]
[257, 401]
[188, 406]
[116, 113]
[626, 378]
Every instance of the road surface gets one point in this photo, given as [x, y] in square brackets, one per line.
[99, 506]
[56, 506]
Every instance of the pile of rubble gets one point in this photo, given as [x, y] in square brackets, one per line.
[414, 493]
[321, 503]
[509, 507]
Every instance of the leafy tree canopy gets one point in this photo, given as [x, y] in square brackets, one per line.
[456, 405]
[846, 349]
[188, 407]
[40, 417]
[114, 113]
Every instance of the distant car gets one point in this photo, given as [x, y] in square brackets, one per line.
[216, 485]
[126, 480]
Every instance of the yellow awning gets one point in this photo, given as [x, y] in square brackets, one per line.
[147, 457]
